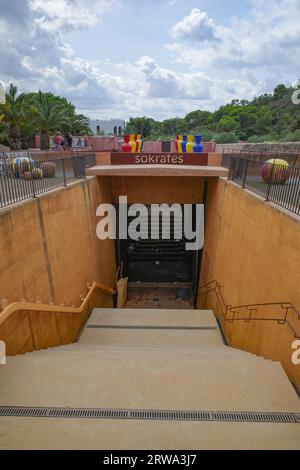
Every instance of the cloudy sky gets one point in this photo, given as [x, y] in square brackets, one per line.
[160, 58]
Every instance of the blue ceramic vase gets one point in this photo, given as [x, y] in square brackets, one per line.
[183, 144]
[198, 147]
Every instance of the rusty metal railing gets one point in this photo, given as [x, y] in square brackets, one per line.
[248, 312]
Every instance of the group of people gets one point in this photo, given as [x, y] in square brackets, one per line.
[61, 144]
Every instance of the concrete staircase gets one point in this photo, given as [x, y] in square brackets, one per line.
[147, 360]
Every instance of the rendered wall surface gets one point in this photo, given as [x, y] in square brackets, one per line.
[48, 246]
[252, 249]
[158, 190]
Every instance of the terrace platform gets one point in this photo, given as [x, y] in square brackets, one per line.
[157, 170]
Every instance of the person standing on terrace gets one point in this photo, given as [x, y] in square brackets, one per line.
[58, 141]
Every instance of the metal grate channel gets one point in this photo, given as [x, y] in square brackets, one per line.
[150, 415]
[137, 327]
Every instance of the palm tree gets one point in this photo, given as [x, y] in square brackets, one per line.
[76, 124]
[48, 116]
[28, 130]
[12, 112]
[3, 131]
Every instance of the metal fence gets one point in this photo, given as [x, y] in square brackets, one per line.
[26, 175]
[292, 158]
[275, 183]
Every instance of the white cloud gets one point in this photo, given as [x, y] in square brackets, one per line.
[266, 42]
[239, 60]
[68, 14]
[195, 26]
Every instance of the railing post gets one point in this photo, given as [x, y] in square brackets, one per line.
[84, 158]
[32, 181]
[270, 183]
[230, 173]
[64, 171]
[245, 173]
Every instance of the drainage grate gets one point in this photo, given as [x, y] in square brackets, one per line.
[137, 327]
[151, 415]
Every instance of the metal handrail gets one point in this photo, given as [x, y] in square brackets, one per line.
[261, 152]
[10, 309]
[214, 286]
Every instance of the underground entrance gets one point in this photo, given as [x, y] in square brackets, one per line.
[161, 272]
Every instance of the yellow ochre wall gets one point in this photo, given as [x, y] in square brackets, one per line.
[251, 247]
[252, 250]
[48, 246]
[158, 190]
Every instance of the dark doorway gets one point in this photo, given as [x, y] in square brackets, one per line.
[159, 262]
[166, 146]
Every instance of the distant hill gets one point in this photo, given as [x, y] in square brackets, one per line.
[267, 118]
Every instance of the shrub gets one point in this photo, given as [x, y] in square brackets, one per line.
[226, 138]
[260, 139]
[291, 137]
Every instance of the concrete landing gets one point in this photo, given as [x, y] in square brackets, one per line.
[79, 434]
[144, 297]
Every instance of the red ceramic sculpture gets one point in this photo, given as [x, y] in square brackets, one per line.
[126, 147]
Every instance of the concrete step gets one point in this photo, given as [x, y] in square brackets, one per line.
[148, 381]
[82, 348]
[159, 366]
[153, 317]
[160, 328]
[154, 338]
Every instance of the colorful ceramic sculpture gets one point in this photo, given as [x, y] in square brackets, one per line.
[275, 171]
[138, 142]
[198, 147]
[48, 169]
[179, 144]
[183, 144]
[126, 147]
[132, 143]
[190, 144]
[21, 164]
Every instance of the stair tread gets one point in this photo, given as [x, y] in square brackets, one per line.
[147, 381]
[78, 348]
[150, 317]
[151, 337]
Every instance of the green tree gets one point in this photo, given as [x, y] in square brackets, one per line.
[12, 113]
[228, 124]
[76, 124]
[280, 92]
[48, 116]
[197, 119]
[140, 125]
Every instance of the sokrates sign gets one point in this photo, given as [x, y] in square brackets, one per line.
[198, 159]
